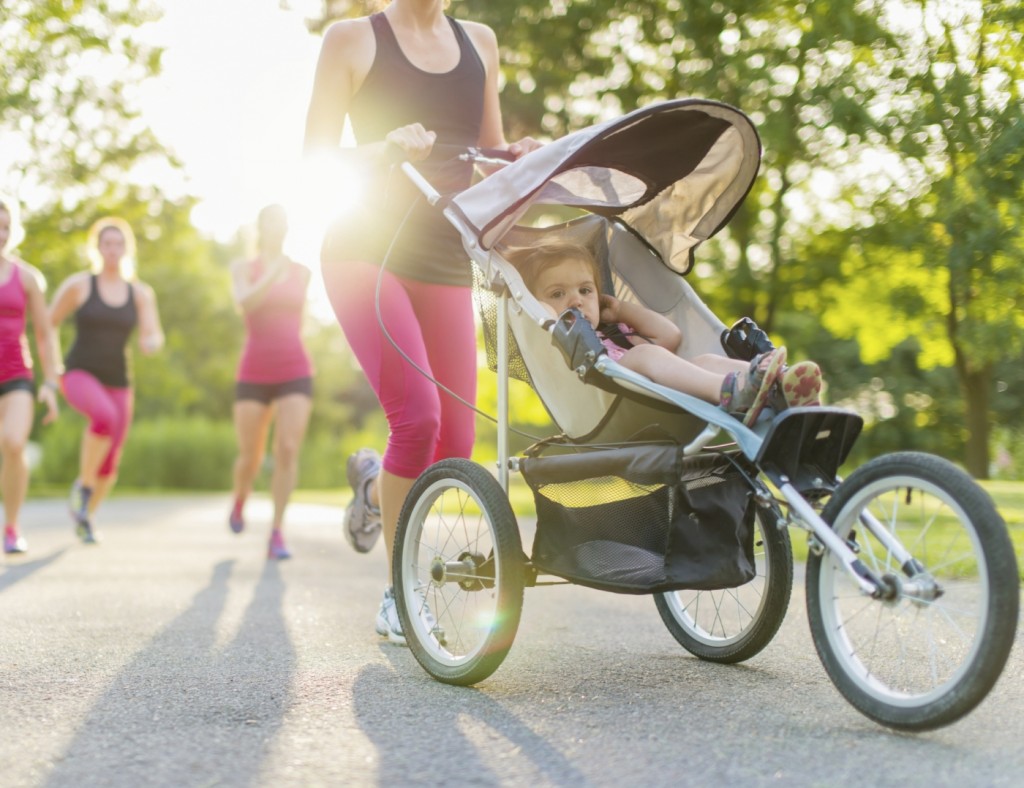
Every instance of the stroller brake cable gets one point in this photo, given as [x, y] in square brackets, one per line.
[402, 353]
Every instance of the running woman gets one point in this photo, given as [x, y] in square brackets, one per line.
[22, 290]
[108, 303]
[275, 375]
[406, 77]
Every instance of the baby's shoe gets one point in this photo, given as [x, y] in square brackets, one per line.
[801, 384]
[749, 395]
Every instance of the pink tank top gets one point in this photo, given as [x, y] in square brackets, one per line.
[15, 358]
[274, 352]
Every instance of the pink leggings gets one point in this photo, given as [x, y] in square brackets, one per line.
[433, 325]
[108, 409]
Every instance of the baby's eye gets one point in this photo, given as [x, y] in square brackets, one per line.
[586, 290]
[557, 294]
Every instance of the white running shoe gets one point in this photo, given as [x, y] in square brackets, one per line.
[388, 624]
[390, 627]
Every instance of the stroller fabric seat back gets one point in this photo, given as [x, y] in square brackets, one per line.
[632, 272]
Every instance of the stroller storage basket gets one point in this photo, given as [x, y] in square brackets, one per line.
[642, 519]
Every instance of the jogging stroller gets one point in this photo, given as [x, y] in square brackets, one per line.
[911, 580]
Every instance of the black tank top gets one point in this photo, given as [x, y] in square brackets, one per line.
[396, 93]
[101, 338]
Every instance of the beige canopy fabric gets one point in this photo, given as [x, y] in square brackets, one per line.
[675, 172]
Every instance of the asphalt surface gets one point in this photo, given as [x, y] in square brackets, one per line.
[175, 654]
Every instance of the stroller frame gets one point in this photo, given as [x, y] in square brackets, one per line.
[855, 540]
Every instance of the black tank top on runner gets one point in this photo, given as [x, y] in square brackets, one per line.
[396, 93]
[101, 338]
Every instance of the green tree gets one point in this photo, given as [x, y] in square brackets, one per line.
[938, 255]
[70, 73]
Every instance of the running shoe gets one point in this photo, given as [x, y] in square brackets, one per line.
[235, 520]
[13, 541]
[78, 506]
[276, 548]
[801, 384]
[387, 624]
[362, 518]
[83, 530]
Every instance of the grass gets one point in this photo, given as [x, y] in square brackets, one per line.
[1008, 497]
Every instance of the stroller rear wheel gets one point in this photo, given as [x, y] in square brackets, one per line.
[733, 624]
[928, 650]
[458, 572]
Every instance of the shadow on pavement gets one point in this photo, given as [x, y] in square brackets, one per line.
[183, 713]
[424, 732]
[19, 571]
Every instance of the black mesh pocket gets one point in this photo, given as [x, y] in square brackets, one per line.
[712, 536]
[645, 522]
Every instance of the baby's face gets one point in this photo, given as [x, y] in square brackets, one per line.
[569, 283]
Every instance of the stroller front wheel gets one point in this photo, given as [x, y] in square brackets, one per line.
[928, 651]
[458, 572]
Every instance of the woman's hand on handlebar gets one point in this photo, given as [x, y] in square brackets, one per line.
[413, 142]
[523, 146]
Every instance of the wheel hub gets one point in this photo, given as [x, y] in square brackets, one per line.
[470, 571]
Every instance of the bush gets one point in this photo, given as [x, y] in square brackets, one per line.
[191, 454]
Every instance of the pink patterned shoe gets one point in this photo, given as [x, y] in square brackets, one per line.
[276, 548]
[235, 520]
[746, 398]
[13, 542]
[801, 384]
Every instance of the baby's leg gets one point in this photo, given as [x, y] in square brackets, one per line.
[666, 368]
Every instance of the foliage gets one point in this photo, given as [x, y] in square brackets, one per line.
[70, 73]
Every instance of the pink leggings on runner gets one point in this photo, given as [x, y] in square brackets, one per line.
[108, 409]
[433, 325]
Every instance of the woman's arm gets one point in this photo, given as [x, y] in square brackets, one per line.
[645, 322]
[35, 289]
[69, 297]
[250, 294]
[346, 56]
[492, 134]
[151, 334]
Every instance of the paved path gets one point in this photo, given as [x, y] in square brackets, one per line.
[174, 654]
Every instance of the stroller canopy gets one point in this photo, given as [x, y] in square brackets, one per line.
[675, 172]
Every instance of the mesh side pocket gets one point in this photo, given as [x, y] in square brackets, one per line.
[487, 306]
[712, 536]
[650, 522]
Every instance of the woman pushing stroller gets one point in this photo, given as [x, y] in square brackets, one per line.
[564, 275]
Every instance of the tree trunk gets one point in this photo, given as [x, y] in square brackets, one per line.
[976, 387]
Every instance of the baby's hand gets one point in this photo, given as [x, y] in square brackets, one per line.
[609, 309]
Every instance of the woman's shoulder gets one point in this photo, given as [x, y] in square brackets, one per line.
[346, 33]
[78, 279]
[482, 35]
[30, 275]
[142, 290]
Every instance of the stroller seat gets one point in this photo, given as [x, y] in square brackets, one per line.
[597, 410]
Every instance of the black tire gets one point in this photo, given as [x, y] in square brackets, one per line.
[734, 624]
[922, 659]
[458, 572]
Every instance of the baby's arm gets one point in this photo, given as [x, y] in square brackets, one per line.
[645, 322]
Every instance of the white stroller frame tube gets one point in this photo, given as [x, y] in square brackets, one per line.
[502, 353]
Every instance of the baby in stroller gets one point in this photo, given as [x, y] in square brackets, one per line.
[564, 275]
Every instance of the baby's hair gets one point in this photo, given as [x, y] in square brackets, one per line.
[530, 260]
